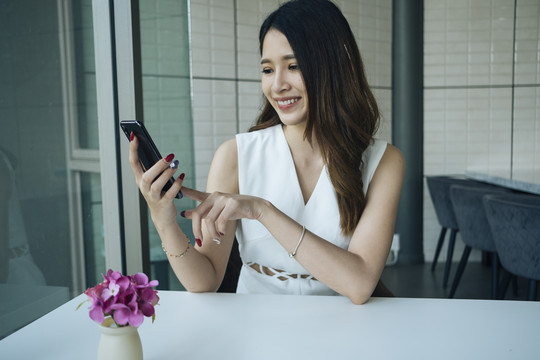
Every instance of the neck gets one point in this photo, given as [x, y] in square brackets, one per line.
[299, 146]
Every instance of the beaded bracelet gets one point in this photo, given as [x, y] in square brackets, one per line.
[175, 255]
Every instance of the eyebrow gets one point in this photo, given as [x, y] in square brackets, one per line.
[286, 57]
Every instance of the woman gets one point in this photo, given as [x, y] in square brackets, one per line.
[310, 194]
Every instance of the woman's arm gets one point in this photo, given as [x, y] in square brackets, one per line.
[200, 269]
[353, 272]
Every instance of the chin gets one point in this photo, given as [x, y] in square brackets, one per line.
[292, 121]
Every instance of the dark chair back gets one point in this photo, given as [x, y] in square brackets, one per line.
[470, 215]
[515, 225]
[439, 190]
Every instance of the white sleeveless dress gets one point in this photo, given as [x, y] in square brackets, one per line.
[266, 170]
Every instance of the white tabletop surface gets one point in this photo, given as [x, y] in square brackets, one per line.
[231, 326]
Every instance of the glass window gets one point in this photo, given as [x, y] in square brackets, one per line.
[85, 72]
[167, 105]
[92, 215]
[52, 211]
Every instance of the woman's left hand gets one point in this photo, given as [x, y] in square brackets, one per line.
[217, 208]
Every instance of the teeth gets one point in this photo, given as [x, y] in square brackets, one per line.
[287, 102]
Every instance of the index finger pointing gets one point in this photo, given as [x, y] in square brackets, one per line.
[194, 194]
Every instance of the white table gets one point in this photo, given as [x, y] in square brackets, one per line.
[231, 326]
[21, 304]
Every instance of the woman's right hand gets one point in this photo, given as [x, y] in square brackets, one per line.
[160, 203]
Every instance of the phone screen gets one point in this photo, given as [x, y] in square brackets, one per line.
[148, 152]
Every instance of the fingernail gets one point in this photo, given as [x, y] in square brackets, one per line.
[183, 214]
[199, 242]
[131, 136]
[222, 234]
[174, 164]
[182, 175]
[169, 158]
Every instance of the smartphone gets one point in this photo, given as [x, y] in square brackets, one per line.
[148, 152]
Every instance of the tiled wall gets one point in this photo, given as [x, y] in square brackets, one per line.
[226, 70]
[481, 98]
[482, 102]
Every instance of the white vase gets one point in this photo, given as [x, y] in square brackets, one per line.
[120, 343]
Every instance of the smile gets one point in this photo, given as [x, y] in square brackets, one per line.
[287, 103]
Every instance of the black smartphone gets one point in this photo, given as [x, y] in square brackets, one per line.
[148, 152]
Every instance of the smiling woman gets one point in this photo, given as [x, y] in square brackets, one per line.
[282, 81]
[309, 192]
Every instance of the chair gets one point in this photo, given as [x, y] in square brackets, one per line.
[439, 190]
[232, 273]
[474, 228]
[514, 220]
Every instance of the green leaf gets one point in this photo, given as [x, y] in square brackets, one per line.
[81, 304]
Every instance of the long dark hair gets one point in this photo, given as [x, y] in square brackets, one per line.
[342, 112]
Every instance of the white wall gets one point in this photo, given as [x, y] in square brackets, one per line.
[481, 111]
[226, 68]
[481, 97]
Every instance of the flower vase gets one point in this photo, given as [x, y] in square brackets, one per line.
[119, 343]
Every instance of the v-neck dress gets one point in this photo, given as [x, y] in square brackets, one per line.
[266, 170]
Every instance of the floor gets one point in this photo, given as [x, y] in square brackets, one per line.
[418, 281]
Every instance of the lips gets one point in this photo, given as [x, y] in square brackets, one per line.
[286, 103]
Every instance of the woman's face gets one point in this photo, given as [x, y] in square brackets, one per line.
[282, 81]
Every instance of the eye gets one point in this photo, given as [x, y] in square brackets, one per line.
[294, 67]
[267, 71]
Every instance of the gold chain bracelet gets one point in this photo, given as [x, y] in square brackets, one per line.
[175, 255]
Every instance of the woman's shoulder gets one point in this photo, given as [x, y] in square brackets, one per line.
[227, 151]
[393, 157]
[375, 151]
[223, 174]
[379, 148]
[393, 153]
[259, 135]
[377, 155]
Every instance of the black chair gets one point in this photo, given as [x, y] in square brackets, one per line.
[474, 228]
[514, 220]
[232, 273]
[439, 190]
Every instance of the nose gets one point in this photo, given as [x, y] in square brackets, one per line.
[280, 82]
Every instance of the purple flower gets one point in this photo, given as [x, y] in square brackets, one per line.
[141, 281]
[112, 290]
[96, 305]
[146, 302]
[127, 299]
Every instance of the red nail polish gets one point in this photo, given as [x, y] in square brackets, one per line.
[199, 242]
[182, 175]
[183, 213]
[169, 158]
[222, 234]
[131, 136]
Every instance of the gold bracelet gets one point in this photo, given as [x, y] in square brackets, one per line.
[175, 255]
